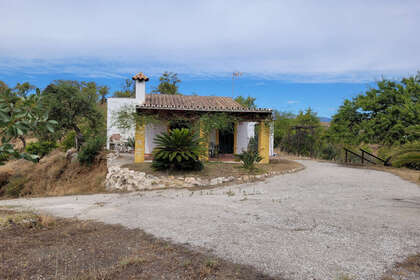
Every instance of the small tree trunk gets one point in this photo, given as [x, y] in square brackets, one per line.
[23, 142]
[78, 138]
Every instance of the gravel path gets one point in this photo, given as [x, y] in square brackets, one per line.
[320, 223]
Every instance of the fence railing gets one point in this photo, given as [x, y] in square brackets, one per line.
[363, 158]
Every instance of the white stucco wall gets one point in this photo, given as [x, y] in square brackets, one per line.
[114, 105]
[271, 152]
[245, 131]
[140, 92]
[151, 131]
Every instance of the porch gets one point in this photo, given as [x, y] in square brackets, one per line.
[221, 144]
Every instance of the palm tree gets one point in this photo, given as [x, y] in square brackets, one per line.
[103, 92]
[178, 149]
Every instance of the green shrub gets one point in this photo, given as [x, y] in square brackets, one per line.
[131, 142]
[41, 148]
[249, 159]
[386, 152]
[253, 144]
[251, 156]
[407, 156]
[68, 141]
[330, 151]
[180, 149]
[15, 186]
[91, 149]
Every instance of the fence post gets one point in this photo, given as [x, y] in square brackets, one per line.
[346, 156]
[363, 157]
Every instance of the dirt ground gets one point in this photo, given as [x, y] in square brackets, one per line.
[409, 269]
[319, 223]
[220, 169]
[42, 247]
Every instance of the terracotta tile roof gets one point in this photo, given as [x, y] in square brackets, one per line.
[195, 103]
[141, 77]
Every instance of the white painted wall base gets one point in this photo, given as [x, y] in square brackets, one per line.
[114, 105]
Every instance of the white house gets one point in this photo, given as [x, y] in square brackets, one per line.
[168, 107]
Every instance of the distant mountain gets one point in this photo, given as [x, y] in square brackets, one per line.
[325, 119]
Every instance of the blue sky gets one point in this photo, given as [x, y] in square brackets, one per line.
[294, 54]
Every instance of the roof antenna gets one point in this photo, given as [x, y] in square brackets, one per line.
[235, 74]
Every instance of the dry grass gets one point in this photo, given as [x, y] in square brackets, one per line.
[219, 169]
[409, 269]
[404, 173]
[25, 219]
[71, 249]
[133, 260]
[54, 175]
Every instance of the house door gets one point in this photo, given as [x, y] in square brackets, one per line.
[226, 140]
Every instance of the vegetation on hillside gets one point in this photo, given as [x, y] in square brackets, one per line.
[34, 122]
[54, 174]
[21, 115]
[387, 116]
[74, 106]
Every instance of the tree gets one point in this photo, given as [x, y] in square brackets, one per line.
[168, 84]
[128, 89]
[23, 89]
[103, 92]
[387, 114]
[303, 134]
[20, 116]
[345, 125]
[3, 86]
[248, 102]
[90, 89]
[308, 118]
[282, 123]
[71, 104]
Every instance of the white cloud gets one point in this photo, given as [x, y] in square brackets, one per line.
[292, 40]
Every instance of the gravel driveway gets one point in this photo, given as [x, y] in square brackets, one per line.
[320, 223]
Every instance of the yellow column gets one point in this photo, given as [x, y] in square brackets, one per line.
[235, 137]
[139, 143]
[205, 144]
[264, 142]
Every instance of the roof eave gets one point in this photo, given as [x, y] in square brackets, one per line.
[170, 108]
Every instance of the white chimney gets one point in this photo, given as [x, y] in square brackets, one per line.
[140, 80]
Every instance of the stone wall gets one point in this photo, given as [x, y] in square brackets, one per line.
[128, 180]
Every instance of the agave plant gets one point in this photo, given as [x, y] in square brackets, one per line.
[251, 156]
[179, 149]
[408, 155]
[131, 142]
